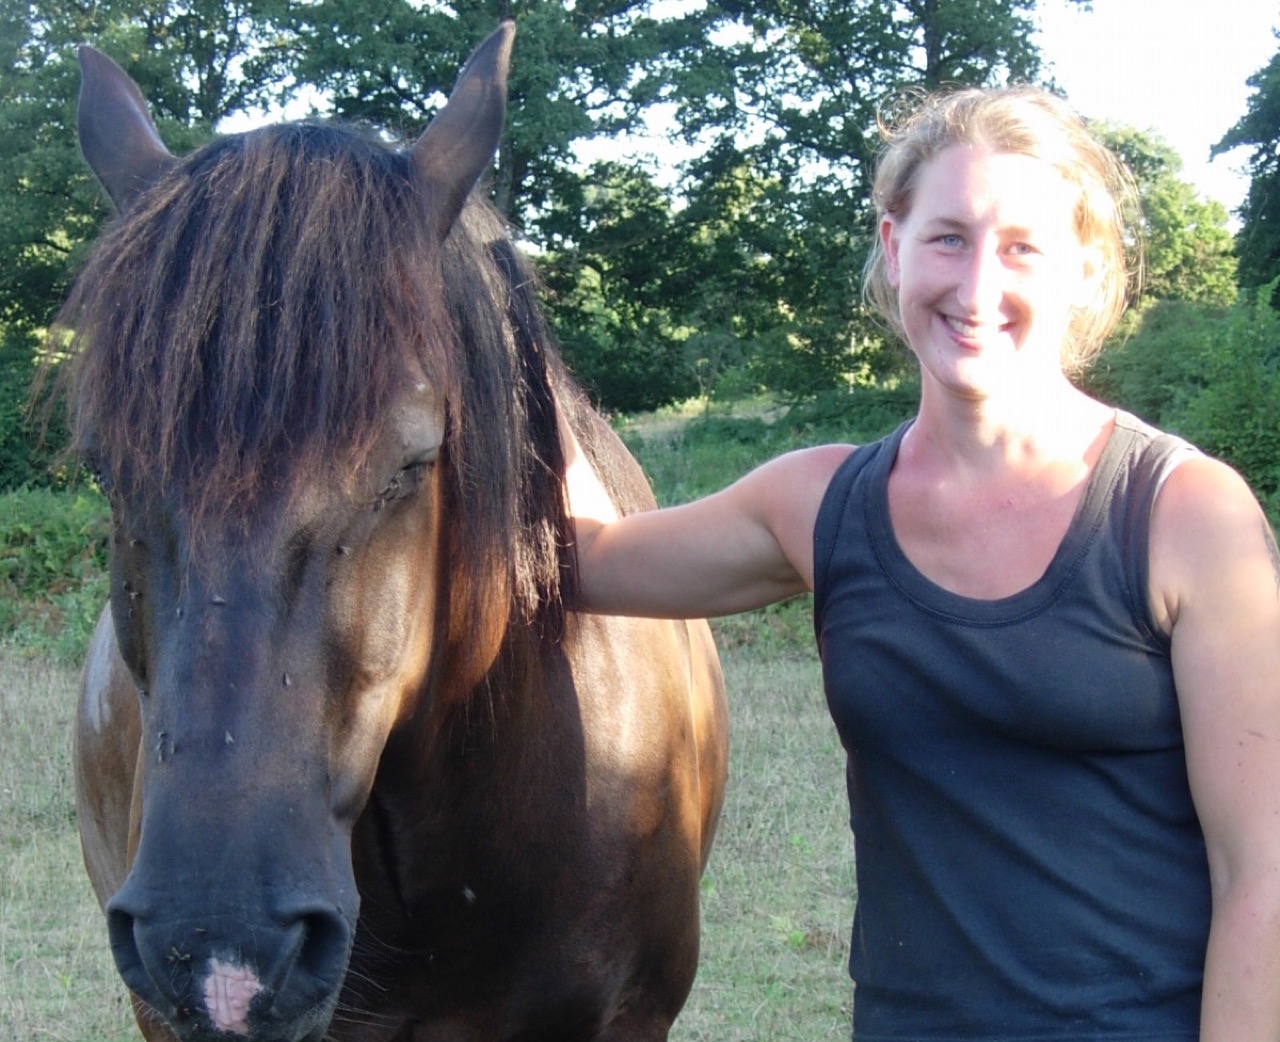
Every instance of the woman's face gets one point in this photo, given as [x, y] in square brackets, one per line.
[988, 269]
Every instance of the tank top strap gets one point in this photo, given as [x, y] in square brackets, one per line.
[1149, 458]
[833, 511]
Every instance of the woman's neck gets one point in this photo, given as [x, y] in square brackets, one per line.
[1018, 433]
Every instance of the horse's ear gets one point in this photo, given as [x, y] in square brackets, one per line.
[460, 143]
[117, 137]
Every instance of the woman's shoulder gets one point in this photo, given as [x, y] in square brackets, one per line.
[1206, 523]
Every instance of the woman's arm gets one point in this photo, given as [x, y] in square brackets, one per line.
[746, 546]
[1216, 582]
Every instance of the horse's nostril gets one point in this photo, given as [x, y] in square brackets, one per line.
[278, 980]
[312, 959]
[131, 956]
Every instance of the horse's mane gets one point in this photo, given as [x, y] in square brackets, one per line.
[242, 329]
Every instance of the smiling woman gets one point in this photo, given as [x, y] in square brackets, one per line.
[987, 274]
[1050, 634]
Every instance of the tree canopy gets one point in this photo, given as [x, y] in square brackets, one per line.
[1258, 243]
[735, 266]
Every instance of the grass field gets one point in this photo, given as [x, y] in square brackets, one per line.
[777, 896]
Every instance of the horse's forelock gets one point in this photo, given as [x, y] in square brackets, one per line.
[248, 322]
[243, 330]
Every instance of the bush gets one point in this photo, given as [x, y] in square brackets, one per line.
[53, 569]
[1236, 415]
[1211, 375]
[25, 457]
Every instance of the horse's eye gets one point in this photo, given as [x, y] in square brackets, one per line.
[403, 484]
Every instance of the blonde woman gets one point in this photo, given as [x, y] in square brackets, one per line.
[1050, 635]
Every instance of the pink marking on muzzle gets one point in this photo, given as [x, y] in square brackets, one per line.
[228, 990]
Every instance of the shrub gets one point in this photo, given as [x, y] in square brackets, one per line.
[1211, 375]
[1236, 416]
[26, 458]
[53, 569]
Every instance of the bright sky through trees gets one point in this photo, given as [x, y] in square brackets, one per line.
[1177, 67]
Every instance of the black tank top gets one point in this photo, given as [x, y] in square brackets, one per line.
[1029, 863]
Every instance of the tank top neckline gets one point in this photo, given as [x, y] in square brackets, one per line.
[913, 584]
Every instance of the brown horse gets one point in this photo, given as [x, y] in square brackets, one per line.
[347, 765]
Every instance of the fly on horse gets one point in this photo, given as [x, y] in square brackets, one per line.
[348, 764]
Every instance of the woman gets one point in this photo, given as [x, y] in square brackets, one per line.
[1050, 635]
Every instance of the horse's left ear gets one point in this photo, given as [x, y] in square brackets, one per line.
[117, 136]
[459, 144]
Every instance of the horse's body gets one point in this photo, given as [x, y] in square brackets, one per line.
[345, 766]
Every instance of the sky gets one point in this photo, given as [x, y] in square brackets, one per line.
[1177, 67]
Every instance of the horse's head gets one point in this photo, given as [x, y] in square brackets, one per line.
[263, 383]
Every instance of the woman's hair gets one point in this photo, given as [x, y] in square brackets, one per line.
[1022, 121]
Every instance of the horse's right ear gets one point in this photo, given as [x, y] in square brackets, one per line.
[460, 143]
[117, 137]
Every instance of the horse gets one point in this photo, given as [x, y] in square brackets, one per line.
[348, 764]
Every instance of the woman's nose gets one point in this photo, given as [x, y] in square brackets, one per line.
[983, 281]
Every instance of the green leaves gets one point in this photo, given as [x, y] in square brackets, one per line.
[1188, 251]
[1210, 374]
[1258, 243]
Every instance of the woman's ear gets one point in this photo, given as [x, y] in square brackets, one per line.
[889, 243]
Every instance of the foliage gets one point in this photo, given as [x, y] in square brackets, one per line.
[1258, 242]
[579, 71]
[610, 287]
[196, 61]
[1237, 415]
[1187, 249]
[1211, 375]
[792, 93]
[53, 559]
[28, 452]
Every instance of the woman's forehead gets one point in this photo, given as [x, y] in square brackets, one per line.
[973, 183]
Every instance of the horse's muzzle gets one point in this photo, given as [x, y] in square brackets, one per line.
[246, 974]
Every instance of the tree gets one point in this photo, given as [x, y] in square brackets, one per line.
[196, 61]
[1258, 242]
[1188, 252]
[654, 302]
[615, 248]
[1210, 374]
[579, 71]
[794, 90]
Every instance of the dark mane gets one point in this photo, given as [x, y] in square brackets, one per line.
[242, 329]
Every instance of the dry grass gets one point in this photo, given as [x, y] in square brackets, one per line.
[57, 981]
[777, 897]
[778, 894]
